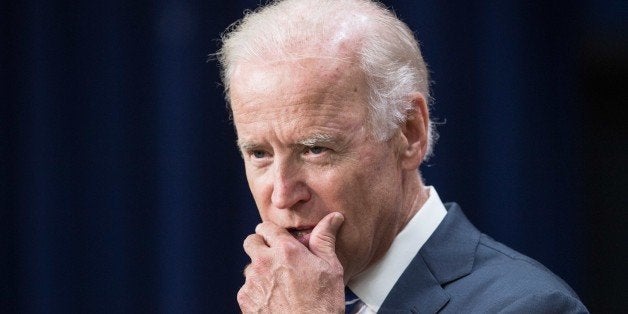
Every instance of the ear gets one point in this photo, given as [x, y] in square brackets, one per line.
[414, 133]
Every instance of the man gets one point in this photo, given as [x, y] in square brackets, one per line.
[330, 103]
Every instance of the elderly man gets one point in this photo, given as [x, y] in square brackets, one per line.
[330, 104]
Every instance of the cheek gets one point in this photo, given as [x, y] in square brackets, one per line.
[334, 187]
[260, 190]
[368, 197]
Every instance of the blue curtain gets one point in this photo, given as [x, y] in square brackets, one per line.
[122, 189]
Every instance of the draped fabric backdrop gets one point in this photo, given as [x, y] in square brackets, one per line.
[122, 189]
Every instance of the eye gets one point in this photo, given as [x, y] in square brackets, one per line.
[258, 154]
[315, 150]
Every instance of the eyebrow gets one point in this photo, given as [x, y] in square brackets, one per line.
[316, 139]
[246, 146]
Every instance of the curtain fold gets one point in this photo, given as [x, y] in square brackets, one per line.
[123, 190]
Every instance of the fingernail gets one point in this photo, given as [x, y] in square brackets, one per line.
[338, 219]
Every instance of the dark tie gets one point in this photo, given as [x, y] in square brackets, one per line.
[351, 300]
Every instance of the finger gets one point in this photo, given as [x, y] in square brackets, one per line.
[323, 237]
[246, 270]
[245, 300]
[253, 245]
[273, 234]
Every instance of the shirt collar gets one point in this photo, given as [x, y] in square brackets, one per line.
[373, 285]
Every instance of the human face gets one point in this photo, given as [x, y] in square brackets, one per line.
[308, 152]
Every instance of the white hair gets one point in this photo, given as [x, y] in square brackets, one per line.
[386, 50]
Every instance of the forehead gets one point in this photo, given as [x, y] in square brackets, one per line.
[314, 89]
[307, 74]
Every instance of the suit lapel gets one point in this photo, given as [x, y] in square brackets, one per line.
[417, 291]
[447, 255]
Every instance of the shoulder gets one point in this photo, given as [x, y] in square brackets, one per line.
[505, 266]
[505, 280]
[461, 270]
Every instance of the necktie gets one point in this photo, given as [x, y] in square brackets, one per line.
[351, 300]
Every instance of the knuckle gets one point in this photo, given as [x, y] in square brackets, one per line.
[248, 241]
[241, 296]
[259, 226]
[263, 227]
[247, 270]
[287, 248]
[328, 238]
[324, 240]
[268, 228]
[243, 299]
[258, 266]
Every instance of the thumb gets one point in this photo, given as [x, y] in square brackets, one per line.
[323, 237]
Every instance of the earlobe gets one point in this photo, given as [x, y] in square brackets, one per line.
[414, 133]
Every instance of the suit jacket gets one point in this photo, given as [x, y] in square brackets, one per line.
[460, 270]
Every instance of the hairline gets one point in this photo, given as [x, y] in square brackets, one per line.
[385, 115]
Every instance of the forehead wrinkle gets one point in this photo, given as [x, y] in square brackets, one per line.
[318, 74]
[298, 103]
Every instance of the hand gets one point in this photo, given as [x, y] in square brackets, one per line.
[285, 277]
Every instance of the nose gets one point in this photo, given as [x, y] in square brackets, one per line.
[289, 189]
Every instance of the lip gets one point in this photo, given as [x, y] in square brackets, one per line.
[302, 234]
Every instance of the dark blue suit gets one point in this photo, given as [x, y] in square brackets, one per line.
[460, 270]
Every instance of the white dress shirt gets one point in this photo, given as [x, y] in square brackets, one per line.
[373, 285]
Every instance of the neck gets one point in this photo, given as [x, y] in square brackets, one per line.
[415, 195]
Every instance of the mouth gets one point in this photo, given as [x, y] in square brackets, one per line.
[302, 234]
